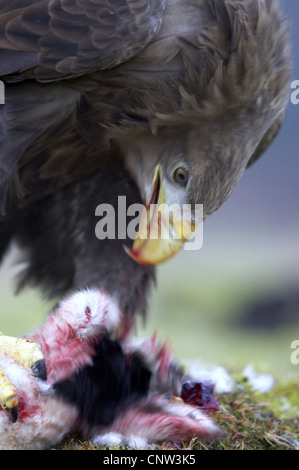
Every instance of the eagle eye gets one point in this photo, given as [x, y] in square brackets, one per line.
[181, 176]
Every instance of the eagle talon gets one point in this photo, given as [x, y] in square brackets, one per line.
[39, 370]
[8, 397]
[13, 414]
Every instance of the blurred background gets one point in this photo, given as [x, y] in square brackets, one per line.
[236, 301]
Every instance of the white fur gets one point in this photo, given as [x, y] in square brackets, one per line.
[112, 439]
[49, 423]
[103, 312]
[137, 443]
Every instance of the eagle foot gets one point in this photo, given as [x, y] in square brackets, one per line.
[26, 353]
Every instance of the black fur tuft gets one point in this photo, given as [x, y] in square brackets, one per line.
[111, 384]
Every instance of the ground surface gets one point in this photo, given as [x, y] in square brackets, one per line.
[200, 308]
[251, 421]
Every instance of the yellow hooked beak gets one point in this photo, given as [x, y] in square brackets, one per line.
[162, 229]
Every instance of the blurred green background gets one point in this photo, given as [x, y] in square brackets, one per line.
[210, 304]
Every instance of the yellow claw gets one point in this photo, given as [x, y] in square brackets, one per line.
[8, 397]
[25, 352]
[8, 393]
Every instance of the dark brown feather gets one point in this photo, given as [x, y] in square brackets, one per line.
[53, 39]
[132, 84]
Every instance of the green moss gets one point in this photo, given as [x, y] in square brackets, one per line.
[283, 401]
[250, 421]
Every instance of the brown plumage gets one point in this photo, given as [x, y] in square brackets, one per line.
[97, 86]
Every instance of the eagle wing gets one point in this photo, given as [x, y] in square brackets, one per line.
[44, 41]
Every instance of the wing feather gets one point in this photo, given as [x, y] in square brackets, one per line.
[51, 40]
[66, 38]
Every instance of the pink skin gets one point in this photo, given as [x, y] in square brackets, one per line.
[170, 421]
[64, 345]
